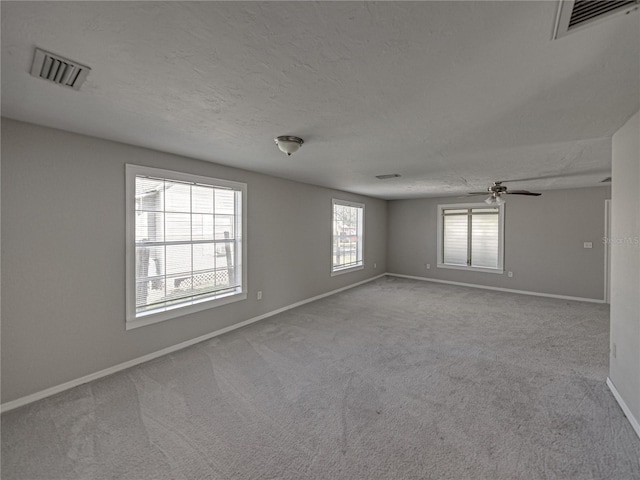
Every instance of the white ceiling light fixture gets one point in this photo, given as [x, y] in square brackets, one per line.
[288, 144]
[494, 199]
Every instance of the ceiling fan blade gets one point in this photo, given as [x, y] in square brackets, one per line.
[523, 192]
[479, 193]
[592, 171]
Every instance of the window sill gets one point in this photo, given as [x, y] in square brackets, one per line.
[499, 271]
[161, 315]
[340, 271]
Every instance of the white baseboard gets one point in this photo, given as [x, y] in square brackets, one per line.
[499, 289]
[19, 402]
[632, 420]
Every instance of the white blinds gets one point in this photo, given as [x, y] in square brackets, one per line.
[456, 236]
[484, 241]
[188, 242]
[471, 237]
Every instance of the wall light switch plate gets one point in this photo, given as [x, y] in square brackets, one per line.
[588, 244]
[510, 274]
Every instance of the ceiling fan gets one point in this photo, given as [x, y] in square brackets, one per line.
[496, 191]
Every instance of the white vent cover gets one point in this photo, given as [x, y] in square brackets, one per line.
[575, 14]
[59, 70]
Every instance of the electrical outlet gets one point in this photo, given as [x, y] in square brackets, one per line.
[588, 244]
[259, 294]
[428, 266]
[375, 265]
[510, 274]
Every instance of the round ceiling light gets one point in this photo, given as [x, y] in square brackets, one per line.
[288, 144]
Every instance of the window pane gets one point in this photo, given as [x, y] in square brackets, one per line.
[155, 260]
[178, 258]
[225, 201]
[149, 227]
[177, 227]
[485, 210]
[142, 293]
[201, 226]
[224, 227]
[178, 287]
[225, 262]
[149, 193]
[149, 273]
[450, 211]
[204, 256]
[455, 239]
[202, 199]
[177, 197]
[484, 241]
[204, 282]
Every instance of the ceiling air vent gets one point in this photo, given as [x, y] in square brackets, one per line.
[575, 14]
[59, 70]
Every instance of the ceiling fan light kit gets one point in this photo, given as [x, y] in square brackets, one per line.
[289, 144]
[494, 199]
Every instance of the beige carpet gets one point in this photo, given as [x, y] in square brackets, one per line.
[395, 379]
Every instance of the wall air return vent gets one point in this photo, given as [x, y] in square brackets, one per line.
[59, 70]
[575, 14]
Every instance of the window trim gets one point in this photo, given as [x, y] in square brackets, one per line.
[440, 240]
[341, 270]
[131, 320]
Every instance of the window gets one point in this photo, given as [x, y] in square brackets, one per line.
[471, 237]
[348, 236]
[185, 248]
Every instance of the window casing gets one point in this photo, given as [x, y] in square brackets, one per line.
[347, 236]
[471, 237]
[185, 250]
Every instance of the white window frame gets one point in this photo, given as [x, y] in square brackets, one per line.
[440, 242]
[134, 320]
[352, 268]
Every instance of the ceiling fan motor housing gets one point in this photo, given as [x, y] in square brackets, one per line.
[497, 188]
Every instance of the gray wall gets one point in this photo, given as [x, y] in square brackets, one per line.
[543, 242]
[63, 250]
[625, 264]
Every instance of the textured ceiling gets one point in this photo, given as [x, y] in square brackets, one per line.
[451, 95]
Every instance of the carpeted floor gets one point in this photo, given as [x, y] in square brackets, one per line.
[395, 379]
